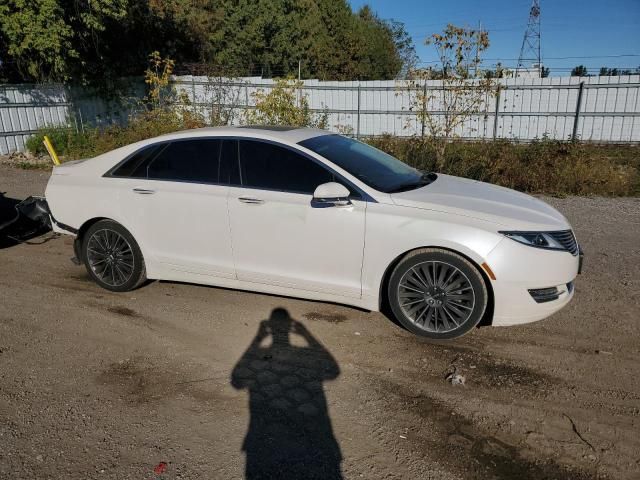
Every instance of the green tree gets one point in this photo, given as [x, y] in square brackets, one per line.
[35, 40]
[499, 72]
[46, 39]
[579, 71]
[100, 41]
[611, 72]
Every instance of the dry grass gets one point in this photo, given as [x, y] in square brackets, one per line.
[73, 145]
[544, 166]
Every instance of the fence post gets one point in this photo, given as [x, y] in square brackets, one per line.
[576, 119]
[193, 94]
[424, 106]
[358, 118]
[495, 120]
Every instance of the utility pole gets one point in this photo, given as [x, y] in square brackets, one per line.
[475, 72]
[530, 50]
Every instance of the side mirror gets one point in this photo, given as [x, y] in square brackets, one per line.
[331, 194]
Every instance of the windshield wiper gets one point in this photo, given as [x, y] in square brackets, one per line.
[425, 180]
[429, 177]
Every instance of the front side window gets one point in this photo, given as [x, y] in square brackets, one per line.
[369, 165]
[272, 167]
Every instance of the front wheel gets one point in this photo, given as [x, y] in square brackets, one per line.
[437, 294]
[112, 257]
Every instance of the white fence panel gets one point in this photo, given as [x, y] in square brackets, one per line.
[598, 109]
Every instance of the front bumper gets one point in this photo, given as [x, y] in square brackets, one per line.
[518, 269]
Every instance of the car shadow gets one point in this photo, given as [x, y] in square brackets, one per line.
[290, 433]
[14, 227]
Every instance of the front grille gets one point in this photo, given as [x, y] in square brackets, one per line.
[567, 239]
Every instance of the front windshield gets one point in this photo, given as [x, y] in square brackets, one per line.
[369, 165]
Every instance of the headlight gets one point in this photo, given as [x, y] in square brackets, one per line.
[535, 239]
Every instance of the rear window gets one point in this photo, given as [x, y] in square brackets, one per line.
[185, 160]
[136, 165]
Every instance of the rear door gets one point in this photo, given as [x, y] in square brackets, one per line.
[279, 237]
[174, 197]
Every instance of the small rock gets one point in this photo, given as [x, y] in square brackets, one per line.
[456, 379]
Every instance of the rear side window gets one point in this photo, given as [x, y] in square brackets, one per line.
[187, 160]
[269, 166]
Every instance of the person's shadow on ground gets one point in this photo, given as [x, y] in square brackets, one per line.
[290, 434]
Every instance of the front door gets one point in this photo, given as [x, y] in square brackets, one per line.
[279, 237]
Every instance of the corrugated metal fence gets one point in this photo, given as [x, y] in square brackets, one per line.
[598, 109]
[25, 108]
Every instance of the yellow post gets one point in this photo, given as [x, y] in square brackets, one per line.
[51, 150]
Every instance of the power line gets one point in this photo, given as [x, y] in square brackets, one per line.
[552, 58]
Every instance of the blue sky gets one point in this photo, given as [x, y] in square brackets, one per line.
[569, 28]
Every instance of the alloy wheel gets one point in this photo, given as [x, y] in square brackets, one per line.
[436, 297]
[110, 257]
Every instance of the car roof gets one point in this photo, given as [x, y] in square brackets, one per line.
[285, 135]
[281, 133]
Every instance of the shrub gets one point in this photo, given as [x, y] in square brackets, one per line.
[285, 105]
[71, 145]
[59, 136]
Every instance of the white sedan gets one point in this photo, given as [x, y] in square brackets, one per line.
[307, 213]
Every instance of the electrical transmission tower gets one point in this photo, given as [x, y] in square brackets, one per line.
[530, 50]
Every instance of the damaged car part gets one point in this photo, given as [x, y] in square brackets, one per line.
[32, 218]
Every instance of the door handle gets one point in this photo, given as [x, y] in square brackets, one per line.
[253, 201]
[143, 191]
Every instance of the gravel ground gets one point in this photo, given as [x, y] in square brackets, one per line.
[95, 384]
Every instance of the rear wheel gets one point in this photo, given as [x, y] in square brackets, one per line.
[436, 293]
[112, 257]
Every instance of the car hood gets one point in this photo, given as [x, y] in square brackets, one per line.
[502, 206]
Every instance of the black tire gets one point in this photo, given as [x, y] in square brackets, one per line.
[432, 275]
[112, 257]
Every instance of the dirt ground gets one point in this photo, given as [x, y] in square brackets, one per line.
[95, 384]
